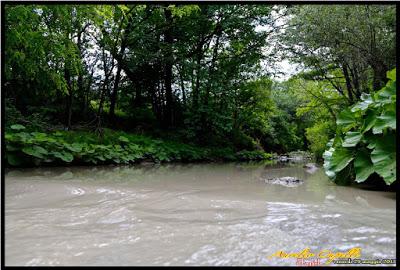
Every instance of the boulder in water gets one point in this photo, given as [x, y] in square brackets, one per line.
[147, 162]
[286, 181]
[310, 167]
[283, 158]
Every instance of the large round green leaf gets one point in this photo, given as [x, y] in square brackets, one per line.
[34, 150]
[366, 100]
[352, 138]
[386, 94]
[341, 157]
[17, 127]
[327, 155]
[369, 121]
[65, 156]
[386, 120]
[363, 166]
[384, 158]
[74, 147]
[389, 119]
[346, 119]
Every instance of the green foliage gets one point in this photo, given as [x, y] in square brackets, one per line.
[17, 127]
[365, 141]
[64, 147]
[318, 137]
[348, 46]
[37, 119]
[253, 155]
[186, 10]
[319, 102]
[268, 115]
[363, 166]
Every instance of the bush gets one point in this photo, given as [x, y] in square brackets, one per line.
[25, 148]
[365, 141]
[318, 137]
[35, 120]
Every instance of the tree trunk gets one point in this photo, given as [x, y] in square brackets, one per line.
[114, 95]
[205, 120]
[107, 74]
[67, 78]
[138, 96]
[169, 121]
[356, 81]
[80, 75]
[196, 90]
[86, 94]
[379, 70]
[182, 86]
[69, 110]
[348, 84]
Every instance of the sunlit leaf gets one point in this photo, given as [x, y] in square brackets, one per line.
[391, 74]
[36, 151]
[346, 118]
[352, 138]
[17, 127]
[366, 100]
[65, 156]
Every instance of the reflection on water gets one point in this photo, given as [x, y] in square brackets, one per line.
[187, 214]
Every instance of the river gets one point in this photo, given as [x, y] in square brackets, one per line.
[188, 214]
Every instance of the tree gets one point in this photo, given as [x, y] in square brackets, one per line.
[349, 46]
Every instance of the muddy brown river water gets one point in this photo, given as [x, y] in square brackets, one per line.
[188, 214]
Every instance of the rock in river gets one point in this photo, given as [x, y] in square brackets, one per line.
[310, 168]
[286, 181]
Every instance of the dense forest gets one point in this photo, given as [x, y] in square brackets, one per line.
[125, 83]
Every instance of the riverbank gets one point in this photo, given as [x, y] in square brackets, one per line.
[25, 149]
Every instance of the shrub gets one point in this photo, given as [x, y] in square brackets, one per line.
[365, 141]
[25, 148]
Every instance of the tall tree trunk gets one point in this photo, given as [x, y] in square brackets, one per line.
[376, 62]
[348, 84]
[356, 81]
[120, 59]
[205, 120]
[169, 121]
[379, 70]
[107, 74]
[137, 101]
[67, 78]
[86, 94]
[69, 110]
[182, 86]
[80, 75]
[196, 90]
[113, 97]
[211, 68]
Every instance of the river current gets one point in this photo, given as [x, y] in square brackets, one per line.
[189, 214]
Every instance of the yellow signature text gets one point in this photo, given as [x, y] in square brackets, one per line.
[323, 254]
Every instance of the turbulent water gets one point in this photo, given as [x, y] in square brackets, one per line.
[197, 214]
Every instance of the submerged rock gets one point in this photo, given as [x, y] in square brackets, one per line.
[310, 167]
[286, 181]
[147, 162]
[283, 158]
[296, 156]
